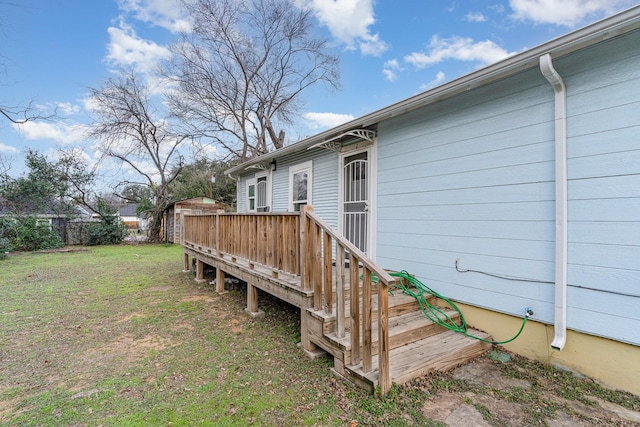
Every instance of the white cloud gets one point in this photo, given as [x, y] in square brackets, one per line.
[67, 108]
[440, 76]
[126, 50]
[4, 148]
[326, 120]
[458, 48]
[163, 13]
[390, 70]
[475, 17]
[54, 131]
[372, 45]
[564, 12]
[349, 22]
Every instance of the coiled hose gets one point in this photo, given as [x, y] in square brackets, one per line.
[413, 287]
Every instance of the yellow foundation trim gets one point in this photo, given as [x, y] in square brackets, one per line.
[612, 363]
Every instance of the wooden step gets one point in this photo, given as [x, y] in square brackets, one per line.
[399, 303]
[440, 352]
[403, 329]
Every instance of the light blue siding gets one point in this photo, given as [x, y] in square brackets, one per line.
[603, 107]
[471, 180]
[466, 186]
[325, 186]
[242, 192]
[324, 183]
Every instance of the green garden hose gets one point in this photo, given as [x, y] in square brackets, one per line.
[436, 314]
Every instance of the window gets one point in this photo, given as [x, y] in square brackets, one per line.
[251, 195]
[299, 186]
[258, 199]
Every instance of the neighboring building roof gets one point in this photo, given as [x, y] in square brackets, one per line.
[128, 210]
[52, 210]
[197, 200]
[610, 27]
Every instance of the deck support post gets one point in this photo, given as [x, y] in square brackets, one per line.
[219, 280]
[185, 268]
[252, 302]
[199, 271]
[309, 347]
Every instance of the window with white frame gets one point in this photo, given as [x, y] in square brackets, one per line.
[299, 186]
[251, 195]
[258, 199]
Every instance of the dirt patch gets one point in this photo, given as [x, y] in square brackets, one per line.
[196, 298]
[484, 373]
[442, 405]
[466, 415]
[501, 412]
[160, 289]
[66, 249]
[129, 317]
[125, 348]
[562, 419]
[235, 326]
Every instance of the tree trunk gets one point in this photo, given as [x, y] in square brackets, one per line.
[154, 228]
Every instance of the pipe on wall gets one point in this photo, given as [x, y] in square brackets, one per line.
[560, 321]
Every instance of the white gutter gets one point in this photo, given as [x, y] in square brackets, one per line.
[560, 323]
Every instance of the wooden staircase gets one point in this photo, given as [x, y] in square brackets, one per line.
[375, 337]
[417, 344]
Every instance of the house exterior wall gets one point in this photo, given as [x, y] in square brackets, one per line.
[324, 187]
[471, 180]
[603, 108]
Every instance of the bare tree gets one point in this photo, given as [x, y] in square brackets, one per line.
[6, 162]
[240, 73]
[131, 131]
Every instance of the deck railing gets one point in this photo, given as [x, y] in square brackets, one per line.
[324, 248]
[270, 239]
[303, 244]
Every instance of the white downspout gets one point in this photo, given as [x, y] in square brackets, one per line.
[560, 323]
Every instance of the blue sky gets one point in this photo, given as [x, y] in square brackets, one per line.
[51, 51]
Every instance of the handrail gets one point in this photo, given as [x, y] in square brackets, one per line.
[318, 243]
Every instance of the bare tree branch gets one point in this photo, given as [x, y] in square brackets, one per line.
[241, 73]
[22, 115]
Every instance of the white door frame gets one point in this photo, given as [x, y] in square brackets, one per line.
[372, 185]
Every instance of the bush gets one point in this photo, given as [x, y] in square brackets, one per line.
[107, 232]
[26, 233]
[5, 247]
[32, 235]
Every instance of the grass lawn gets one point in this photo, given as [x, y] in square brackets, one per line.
[119, 336]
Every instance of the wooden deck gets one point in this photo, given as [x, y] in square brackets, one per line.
[374, 337]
